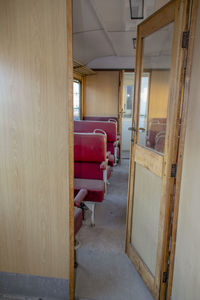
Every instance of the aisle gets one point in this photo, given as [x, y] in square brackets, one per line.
[105, 272]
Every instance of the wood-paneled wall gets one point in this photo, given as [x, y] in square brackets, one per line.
[158, 97]
[102, 94]
[34, 210]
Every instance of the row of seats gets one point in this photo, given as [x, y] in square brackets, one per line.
[95, 153]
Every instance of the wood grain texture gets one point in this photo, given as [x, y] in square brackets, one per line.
[101, 94]
[141, 267]
[186, 98]
[149, 159]
[34, 181]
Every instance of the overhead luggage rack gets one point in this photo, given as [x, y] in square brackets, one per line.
[82, 69]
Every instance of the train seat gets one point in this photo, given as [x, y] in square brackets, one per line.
[109, 127]
[95, 192]
[90, 160]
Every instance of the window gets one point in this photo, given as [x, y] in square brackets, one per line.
[77, 99]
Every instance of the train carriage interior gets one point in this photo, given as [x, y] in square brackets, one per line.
[99, 140]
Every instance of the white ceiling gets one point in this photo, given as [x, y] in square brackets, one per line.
[103, 32]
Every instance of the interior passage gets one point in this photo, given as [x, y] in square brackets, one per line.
[104, 271]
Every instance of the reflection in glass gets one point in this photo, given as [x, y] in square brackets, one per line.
[157, 49]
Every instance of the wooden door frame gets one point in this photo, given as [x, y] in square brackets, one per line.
[191, 28]
[169, 13]
[71, 146]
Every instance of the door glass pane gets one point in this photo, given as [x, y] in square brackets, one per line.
[157, 50]
[146, 210]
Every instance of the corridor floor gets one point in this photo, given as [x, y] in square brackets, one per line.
[104, 271]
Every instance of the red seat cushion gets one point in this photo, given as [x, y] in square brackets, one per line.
[78, 219]
[87, 170]
[94, 187]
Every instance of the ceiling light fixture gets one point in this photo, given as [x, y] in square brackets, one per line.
[137, 9]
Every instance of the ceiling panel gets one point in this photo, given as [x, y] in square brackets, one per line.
[112, 13]
[84, 17]
[123, 43]
[89, 45]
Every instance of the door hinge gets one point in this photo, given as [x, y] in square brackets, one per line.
[165, 277]
[185, 39]
[173, 170]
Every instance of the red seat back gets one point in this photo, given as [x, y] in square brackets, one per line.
[89, 147]
[89, 126]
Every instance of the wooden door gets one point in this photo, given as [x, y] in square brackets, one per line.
[156, 127]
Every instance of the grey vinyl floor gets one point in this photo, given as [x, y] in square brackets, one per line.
[104, 271]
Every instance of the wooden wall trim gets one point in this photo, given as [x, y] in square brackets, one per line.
[182, 142]
[141, 268]
[150, 160]
[71, 147]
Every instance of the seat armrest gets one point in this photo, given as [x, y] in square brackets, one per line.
[80, 197]
[103, 165]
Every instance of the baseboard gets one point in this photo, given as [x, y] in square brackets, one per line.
[20, 285]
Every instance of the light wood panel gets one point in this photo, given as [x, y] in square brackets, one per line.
[187, 286]
[34, 151]
[140, 267]
[150, 160]
[101, 94]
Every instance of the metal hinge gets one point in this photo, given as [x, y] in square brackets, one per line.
[173, 170]
[185, 39]
[165, 277]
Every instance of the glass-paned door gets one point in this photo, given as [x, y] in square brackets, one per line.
[155, 126]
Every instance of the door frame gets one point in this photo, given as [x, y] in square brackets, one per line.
[70, 114]
[191, 28]
[177, 11]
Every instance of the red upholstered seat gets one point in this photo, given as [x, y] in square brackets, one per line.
[109, 127]
[95, 189]
[90, 156]
[89, 126]
[78, 219]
